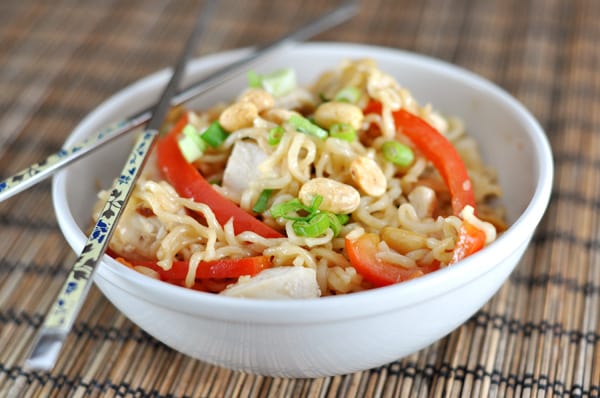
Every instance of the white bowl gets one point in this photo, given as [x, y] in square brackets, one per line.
[330, 335]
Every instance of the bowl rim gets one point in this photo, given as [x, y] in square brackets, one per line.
[353, 305]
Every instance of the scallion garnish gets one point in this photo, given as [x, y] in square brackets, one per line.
[263, 201]
[397, 153]
[349, 94]
[275, 135]
[343, 131]
[190, 144]
[278, 83]
[304, 125]
[214, 135]
[313, 227]
[189, 149]
[293, 206]
[315, 222]
[254, 79]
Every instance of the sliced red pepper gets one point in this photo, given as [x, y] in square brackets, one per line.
[217, 269]
[437, 149]
[189, 183]
[470, 240]
[362, 253]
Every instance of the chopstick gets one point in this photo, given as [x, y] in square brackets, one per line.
[66, 307]
[60, 319]
[38, 172]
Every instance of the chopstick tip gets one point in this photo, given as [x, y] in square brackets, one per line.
[45, 351]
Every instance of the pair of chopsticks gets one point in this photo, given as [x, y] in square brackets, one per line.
[67, 305]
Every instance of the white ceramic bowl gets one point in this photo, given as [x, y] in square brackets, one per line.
[331, 335]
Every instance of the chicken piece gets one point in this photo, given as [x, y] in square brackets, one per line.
[137, 235]
[278, 283]
[242, 167]
[423, 200]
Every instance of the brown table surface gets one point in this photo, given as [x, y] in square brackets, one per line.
[538, 336]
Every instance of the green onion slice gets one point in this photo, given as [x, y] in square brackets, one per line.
[278, 83]
[214, 135]
[254, 79]
[343, 131]
[275, 135]
[190, 151]
[304, 125]
[292, 206]
[349, 94]
[190, 144]
[397, 153]
[263, 200]
[313, 227]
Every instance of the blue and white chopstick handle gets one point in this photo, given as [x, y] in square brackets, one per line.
[38, 171]
[67, 305]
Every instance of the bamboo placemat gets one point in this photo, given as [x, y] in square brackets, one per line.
[538, 336]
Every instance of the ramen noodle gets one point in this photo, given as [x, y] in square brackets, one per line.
[298, 192]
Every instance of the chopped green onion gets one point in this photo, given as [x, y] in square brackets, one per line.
[280, 82]
[190, 144]
[348, 94]
[275, 135]
[254, 79]
[315, 223]
[397, 153]
[315, 203]
[323, 98]
[214, 135]
[313, 227]
[263, 200]
[190, 151]
[343, 218]
[292, 206]
[343, 131]
[334, 223]
[304, 125]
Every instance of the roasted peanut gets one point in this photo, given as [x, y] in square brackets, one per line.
[259, 97]
[368, 176]
[330, 113]
[402, 240]
[238, 116]
[278, 115]
[338, 197]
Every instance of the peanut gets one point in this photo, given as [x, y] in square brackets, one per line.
[238, 116]
[402, 240]
[368, 176]
[338, 197]
[330, 113]
[259, 97]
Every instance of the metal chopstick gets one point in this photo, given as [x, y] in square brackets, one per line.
[37, 172]
[64, 310]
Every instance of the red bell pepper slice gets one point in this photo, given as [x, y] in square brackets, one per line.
[362, 253]
[189, 183]
[435, 147]
[438, 150]
[470, 240]
[216, 269]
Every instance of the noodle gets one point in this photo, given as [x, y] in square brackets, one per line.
[162, 226]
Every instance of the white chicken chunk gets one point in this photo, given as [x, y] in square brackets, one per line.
[278, 283]
[423, 200]
[242, 167]
[137, 236]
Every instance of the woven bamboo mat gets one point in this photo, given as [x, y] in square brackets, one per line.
[538, 336]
